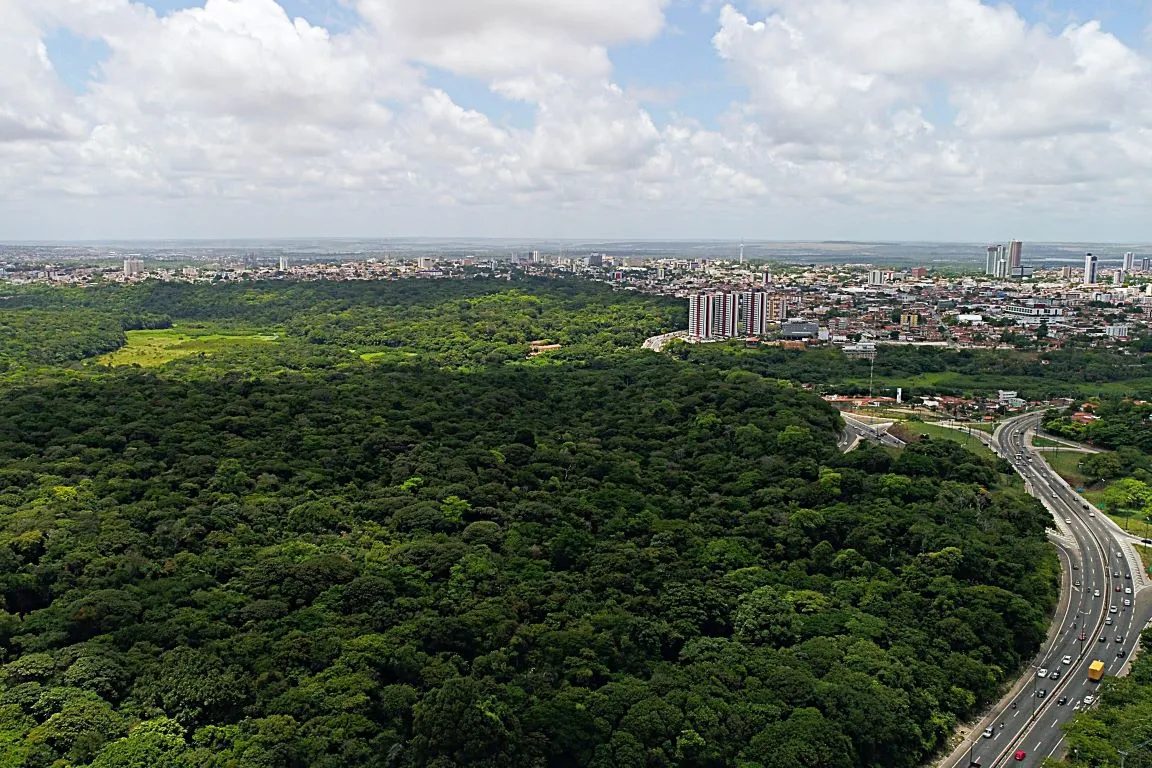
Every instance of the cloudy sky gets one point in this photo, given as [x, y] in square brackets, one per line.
[776, 119]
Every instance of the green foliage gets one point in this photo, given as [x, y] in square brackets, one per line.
[618, 559]
[35, 338]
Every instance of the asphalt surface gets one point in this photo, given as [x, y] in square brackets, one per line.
[856, 430]
[1099, 565]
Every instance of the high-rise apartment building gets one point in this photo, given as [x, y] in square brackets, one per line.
[761, 310]
[1015, 252]
[283, 263]
[1091, 263]
[1129, 262]
[133, 266]
[1146, 264]
[700, 316]
[990, 264]
[1001, 270]
[1118, 277]
[728, 315]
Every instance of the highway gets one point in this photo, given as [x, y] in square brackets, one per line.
[1092, 621]
[856, 430]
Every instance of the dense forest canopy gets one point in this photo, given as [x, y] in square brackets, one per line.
[291, 556]
[1059, 373]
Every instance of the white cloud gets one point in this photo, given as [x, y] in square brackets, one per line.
[865, 108]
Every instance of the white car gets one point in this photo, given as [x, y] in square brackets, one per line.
[1111, 609]
[1108, 620]
[1095, 593]
[1042, 672]
[1127, 590]
[1127, 603]
[1066, 660]
[1068, 520]
[1089, 699]
[989, 732]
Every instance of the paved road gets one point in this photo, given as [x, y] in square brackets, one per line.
[1099, 568]
[856, 430]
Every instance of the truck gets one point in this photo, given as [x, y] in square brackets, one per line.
[1096, 670]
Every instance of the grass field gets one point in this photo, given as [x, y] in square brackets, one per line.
[913, 430]
[1066, 464]
[152, 348]
[1145, 555]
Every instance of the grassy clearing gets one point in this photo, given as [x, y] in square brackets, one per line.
[152, 348]
[912, 430]
[1044, 442]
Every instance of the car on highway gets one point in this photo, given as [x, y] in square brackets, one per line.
[1083, 637]
[1095, 593]
[1115, 574]
[1119, 638]
[989, 732]
[1021, 754]
[1127, 603]
[1055, 675]
[1103, 639]
[1117, 587]
[1062, 701]
[1120, 653]
[1041, 693]
[1128, 575]
[1089, 699]
[1108, 620]
[1076, 583]
[1111, 609]
[1042, 672]
[1127, 590]
[1066, 660]
[1090, 514]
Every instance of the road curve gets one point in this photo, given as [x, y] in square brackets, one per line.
[1092, 554]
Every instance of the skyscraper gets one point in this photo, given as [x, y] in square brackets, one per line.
[283, 263]
[1015, 250]
[1146, 264]
[990, 264]
[1129, 262]
[1090, 266]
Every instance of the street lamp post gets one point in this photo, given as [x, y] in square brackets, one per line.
[1124, 753]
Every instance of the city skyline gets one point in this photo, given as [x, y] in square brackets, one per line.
[639, 118]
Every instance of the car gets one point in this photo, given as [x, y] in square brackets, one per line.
[989, 732]
[1119, 638]
[1119, 555]
[1091, 514]
[1120, 653]
[1089, 699]
[1146, 541]
[1041, 693]
[1103, 639]
[1021, 754]
[1117, 587]
[1115, 574]
[1062, 701]
[1068, 520]
[1076, 583]
[1075, 567]
[1111, 609]
[1066, 660]
[1108, 620]
[1042, 672]
[1083, 637]
[1128, 575]
[1127, 590]
[1055, 675]
[1127, 603]
[1095, 593]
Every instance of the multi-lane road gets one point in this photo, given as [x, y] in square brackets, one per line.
[1102, 610]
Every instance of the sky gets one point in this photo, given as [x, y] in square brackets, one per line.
[927, 120]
